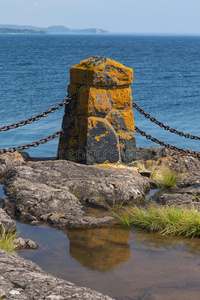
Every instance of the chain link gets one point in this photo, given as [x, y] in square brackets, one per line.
[43, 114]
[153, 139]
[166, 127]
[35, 143]
[58, 133]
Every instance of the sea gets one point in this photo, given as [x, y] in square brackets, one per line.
[34, 75]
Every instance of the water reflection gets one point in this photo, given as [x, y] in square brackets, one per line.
[100, 249]
[165, 242]
[122, 263]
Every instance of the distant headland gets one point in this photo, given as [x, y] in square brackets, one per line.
[19, 29]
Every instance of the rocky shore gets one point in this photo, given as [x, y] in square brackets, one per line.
[21, 279]
[57, 192]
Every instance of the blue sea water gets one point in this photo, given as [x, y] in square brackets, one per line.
[34, 75]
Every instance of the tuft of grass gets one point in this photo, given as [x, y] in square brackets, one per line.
[170, 178]
[179, 221]
[7, 240]
[165, 178]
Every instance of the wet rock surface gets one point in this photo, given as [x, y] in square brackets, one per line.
[21, 244]
[23, 280]
[56, 191]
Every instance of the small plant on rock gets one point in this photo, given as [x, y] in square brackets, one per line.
[7, 240]
[165, 178]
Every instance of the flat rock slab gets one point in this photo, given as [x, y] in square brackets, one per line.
[23, 280]
[6, 222]
[56, 191]
[187, 193]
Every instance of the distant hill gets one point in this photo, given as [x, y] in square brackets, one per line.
[48, 30]
[22, 31]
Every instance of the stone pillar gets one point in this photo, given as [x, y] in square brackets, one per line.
[100, 115]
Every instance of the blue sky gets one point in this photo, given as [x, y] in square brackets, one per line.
[116, 16]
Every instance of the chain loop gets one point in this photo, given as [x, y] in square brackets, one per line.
[166, 127]
[153, 139]
[57, 133]
[43, 114]
[35, 143]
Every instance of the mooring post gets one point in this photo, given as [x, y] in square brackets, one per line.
[99, 117]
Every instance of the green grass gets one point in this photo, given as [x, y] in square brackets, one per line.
[7, 240]
[179, 221]
[165, 178]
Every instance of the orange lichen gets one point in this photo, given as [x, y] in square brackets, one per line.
[121, 119]
[97, 137]
[120, 98]
[102, 108]
[101, 72]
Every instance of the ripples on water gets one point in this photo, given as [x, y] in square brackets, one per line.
[34, 74]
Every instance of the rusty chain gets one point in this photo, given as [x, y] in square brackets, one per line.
[35, 143]
[57, 133]
[43, 114]
[153, 139]
[29, 121]
[166, 127]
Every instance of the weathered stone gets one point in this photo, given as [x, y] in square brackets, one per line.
[55, 191]
[10, 160]
[193, 180]
[6, 222]
[166, 158]
[176, 199]
[153, 153]
[90, 101]
[101, 97]
[21, 244]
[100, 71]
[100, 136]
[121, 120]
[1, 202]
[127, 146]
[21, 279]
[120, 98]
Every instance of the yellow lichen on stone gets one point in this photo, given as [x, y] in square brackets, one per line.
[101, 71]
[100, 114]
[121, 120]
[97, 137]
[94, 102]
[120, 98]
[93, 122]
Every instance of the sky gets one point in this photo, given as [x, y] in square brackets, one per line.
[116, 16]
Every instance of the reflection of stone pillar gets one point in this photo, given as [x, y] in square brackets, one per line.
[100, 114]
[100, 249]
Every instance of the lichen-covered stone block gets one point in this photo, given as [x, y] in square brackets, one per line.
[102, 142]
[98, 123]
[101, 71]
[121, 120]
